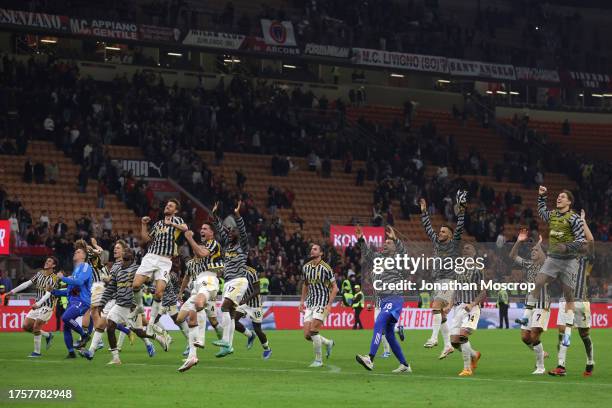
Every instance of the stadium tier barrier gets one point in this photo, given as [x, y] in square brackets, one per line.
[284, 315]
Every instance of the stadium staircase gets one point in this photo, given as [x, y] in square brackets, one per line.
[61, 199]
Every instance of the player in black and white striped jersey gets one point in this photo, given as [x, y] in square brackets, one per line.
[537, 309]
[42, 310]
[466, 312]
[582, 306]
[318, 292]
[157, 263]
[251, 306]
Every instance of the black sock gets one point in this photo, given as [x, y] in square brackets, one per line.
[588, 346]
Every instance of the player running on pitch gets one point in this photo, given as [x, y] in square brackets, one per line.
[251, 307]
[42, 310]
[582, 308]
[157, 263]
[318, 293]
[392, 301]
[466, 313]
[566, 240]
[537, 311]
[446, 245]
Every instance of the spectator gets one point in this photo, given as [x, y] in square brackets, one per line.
[28, 171]
[60, 228]
[83, 179]
[53, 172]
[44, 219]
[565, 128]
[49, 126]
[107, 223]
[39, 173]
[6, 281]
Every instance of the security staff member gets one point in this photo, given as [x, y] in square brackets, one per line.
[502, 304]
[347, 297]
[358, 304]
[424, 300]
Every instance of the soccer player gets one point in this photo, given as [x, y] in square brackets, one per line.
[582, 308]
[250, 306]
[537, 311]
[235, 253]
[398, 329]
[202, 269]
[318, 293]
[42, 310]
[446, 245]
[566, 239]
[99, 279]
[391, 301]
[466, 313]
[79, 296]
[157, 263]
[169, 307]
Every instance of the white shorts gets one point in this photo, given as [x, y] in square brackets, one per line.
[317, 313]
[235, 289]
[156, 267]
[539, 320]
[135, 320]
[464, 320]
[97, 290]
[209, 306]
[43, 313]
[582, 315]
[446, 296]
[107, 308]
[169, 310]
[119, 314]
[253, 313]
[206, 283]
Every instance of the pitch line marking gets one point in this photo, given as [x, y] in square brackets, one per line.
[281, 370]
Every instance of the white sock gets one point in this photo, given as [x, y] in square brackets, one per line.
[385, 343]
[265, 345]
[121, 339]
[147, 341]
[466, 352]
[138, 298]
[316, 345]
[155, 309]
[219, 331]
[37, 339]
[539, 352]
[202, 326]
[247, 332]
[445, 334]
[94, 342]
[437, 322]
[44, 334]
[193, 338]
[228, 328]
[562, 353]
[324, 341]
[184, 329]
[115, 354]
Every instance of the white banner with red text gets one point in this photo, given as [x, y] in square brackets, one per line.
[479, 69]
[344, 235]
[414, 62]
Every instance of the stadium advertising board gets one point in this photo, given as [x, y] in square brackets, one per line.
[537, 74]
[29, 19]
[414, 62]
[104, 28]
[590, 80]
[278, 33]
[5, 237]
[326, 50]
[157, 33]
[143, 168]
[344, 235]
[201, 38]
[479, 69]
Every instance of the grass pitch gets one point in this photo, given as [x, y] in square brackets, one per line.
[503, 377]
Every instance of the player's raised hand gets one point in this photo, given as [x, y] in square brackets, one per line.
[237, 209]
[540, 240]
[60, 274]
[423, 205]
[189, 234]
[215, 207]
[391, 232]
[358, 231]
[582, 215]
[523, 235]
[145, 220]
[542, 190]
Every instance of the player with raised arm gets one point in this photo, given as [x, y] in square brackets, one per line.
[446, 245]
[466, 313]
[157, 263]
[251, 307]
[41, 312]
[391, 301]
[202, 270]
[235, 253]
[582, 307]
[566, 240]
[78, 292]
[318, 293]
[537, 310]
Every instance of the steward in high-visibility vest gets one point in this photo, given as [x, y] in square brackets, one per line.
[358, 305]
[347, 298]
[264, 286]
[424, 300]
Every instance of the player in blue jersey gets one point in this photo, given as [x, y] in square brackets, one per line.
[79, 298]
